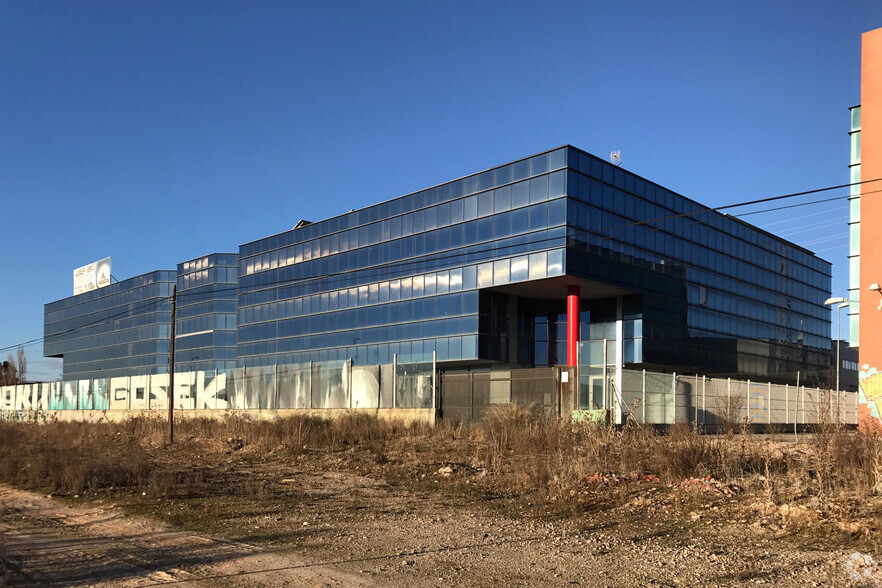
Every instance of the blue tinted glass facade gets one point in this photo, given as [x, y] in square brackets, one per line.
[205, 325]
[477, 269]
[728, 297]
[119, 330]
[406, 276]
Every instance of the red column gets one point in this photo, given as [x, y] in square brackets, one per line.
[573, 293]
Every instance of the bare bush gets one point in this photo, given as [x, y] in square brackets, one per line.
[683, 453]
[730, 414]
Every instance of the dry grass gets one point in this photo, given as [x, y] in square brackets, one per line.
[521, 450]
[72, 457]
[4, 567]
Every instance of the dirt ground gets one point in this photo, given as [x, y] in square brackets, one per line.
[352, 519]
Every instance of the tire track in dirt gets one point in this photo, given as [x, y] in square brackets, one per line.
[49, 543]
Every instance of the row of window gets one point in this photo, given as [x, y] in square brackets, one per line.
[120, 304]
[211, 307]
[145, 347]
[384, 314]
[121, 366]
[214, 275]
[741, 309]
[508, 208]
[520, 170]
[157, 283]
[752, 306]
[139, 327]
[279, 284]
[526, 267]
[462, 325]
[734, 326]
[215, 259]
[447, 349]
[683, 217]
[205, 323]
[601, 171]
[710, 249]
[765, 286]
[219, 341]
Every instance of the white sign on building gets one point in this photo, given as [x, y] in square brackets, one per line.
[92, 276]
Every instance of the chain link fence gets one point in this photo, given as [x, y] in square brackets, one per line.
[659, 398]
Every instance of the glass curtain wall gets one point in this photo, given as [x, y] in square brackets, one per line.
[120, 329]
[205, 329]
[402, 277]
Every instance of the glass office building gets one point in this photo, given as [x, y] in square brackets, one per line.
[506, 267]
[478, 271]
[118, 330]
[205, 325]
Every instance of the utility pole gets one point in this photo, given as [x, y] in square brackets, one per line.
[171, 369]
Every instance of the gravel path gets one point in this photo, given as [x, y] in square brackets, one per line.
[383, 536]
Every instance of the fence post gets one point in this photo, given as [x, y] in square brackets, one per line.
[394, 380]
[310, 385]
[729, 398]
[770, 402]
[803, 404]
[605, 379]
[644, 396]
[674, 398]
[786, 403]
[749, 412]
[435, 383]
[703, 401]
[695, 404]
[276, 396]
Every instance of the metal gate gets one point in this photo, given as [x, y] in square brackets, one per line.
[469, 395]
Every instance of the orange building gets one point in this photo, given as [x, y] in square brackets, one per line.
[866, 213]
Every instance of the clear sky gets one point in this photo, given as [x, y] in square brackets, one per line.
[155, 132]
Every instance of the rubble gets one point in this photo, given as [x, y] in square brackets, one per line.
[708, 484]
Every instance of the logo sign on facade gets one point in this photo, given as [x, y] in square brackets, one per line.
[92, 276]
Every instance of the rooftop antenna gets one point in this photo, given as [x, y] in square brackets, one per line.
[615, 157]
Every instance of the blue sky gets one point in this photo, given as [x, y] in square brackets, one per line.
[155, 132]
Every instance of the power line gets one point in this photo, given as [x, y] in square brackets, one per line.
[796, 205]
[793, 218]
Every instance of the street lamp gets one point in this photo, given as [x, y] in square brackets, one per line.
[842, 303]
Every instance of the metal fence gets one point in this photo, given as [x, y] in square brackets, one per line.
[471, 394]
[326, 385]
[658, 398]
[646, 397]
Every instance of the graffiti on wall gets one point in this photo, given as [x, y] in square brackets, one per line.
[870, 396]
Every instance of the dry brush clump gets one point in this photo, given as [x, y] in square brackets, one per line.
[71, 457]
[522, 448]
[4, 566]
[554, 455]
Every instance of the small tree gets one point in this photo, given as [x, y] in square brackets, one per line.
[21, 365]
[8, 373]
